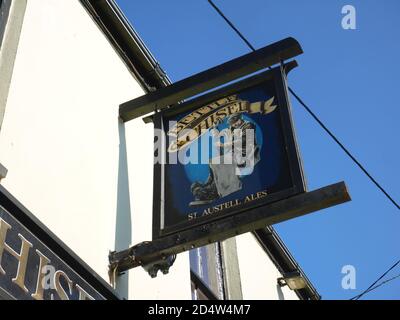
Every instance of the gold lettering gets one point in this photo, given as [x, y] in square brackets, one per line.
[261, 194]
[258, 195]
[22, 257]
[192, 216]
[208, 123]
[38, 295]
[222, 113]
[183, 123]
[60, 290]
[234, 107]
[83, 295]
[206, 117]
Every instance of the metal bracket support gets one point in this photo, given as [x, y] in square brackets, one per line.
[159, 254]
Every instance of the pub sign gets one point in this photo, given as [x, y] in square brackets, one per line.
[224, 153]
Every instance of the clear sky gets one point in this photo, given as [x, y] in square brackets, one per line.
[350, 80]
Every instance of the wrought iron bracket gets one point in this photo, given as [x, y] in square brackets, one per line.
[159, 255]
[234, 69]
[122, 261]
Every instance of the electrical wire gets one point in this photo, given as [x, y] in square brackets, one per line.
[232, 25]
[374, 285]
[313, 115]
[377, 286]
[371, 287]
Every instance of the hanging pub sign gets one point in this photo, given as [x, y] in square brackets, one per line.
[224, 153]
[226, 162]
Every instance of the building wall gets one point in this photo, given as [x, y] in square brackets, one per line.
[258, 273]
[70, 161]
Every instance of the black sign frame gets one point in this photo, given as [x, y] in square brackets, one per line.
[278, 75]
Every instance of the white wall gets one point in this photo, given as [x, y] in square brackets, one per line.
[9, 49]
[66, 153]
[257, 272]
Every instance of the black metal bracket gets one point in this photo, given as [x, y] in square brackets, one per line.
[211, 78]
[287, 66]
[121, 262]
[159, 254]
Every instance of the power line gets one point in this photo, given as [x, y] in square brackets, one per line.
[232, 25]
[371, 287]
[343, 148]
[378, 285]
[313, 115]
[374, 285]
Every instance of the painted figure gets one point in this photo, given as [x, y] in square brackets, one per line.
[239, 154]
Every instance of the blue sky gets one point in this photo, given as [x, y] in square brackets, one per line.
[350, 80]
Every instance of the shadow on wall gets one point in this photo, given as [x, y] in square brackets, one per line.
[123, 225]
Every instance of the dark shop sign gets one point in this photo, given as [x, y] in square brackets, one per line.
[30, 270]
[226, 152]
[226, 160]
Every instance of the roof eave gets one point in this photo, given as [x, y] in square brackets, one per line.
[127, 43]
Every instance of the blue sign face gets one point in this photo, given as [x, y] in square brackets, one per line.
[227, 155]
